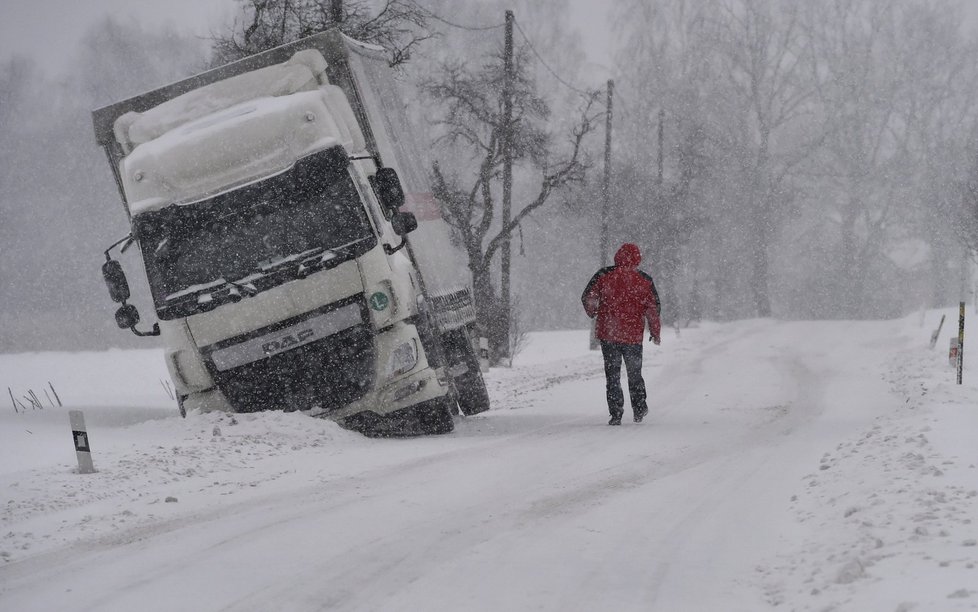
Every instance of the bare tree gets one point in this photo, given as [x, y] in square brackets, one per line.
[670, 148]
[762, 48]
[473, 123]
[939, 112]
[895, 81]
[857, 88]
[398, 25]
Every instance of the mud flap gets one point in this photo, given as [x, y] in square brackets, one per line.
[470, 388]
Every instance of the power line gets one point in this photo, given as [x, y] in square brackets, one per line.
[547, 66]
[470, 28]
[526, 38]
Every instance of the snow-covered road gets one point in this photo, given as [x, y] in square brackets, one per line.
[752, 484]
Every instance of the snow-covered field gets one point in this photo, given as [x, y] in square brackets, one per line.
[788, 465]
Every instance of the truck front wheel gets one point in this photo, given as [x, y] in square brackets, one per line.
[433, 417]
[436, 417]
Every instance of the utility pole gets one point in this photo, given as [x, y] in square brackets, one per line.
[965, 272]
[508, 79]
[662, 121]
[960, 341]
[336, 11]
[606, 183]
[605, 193]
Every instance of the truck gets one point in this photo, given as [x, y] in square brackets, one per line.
[295, 257]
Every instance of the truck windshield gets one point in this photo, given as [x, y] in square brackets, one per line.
[240, 243]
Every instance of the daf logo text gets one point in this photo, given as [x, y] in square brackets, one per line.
[288, 341]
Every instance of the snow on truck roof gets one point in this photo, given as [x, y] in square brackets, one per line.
[304, 71]
[232, 132]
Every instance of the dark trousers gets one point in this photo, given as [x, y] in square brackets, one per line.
[631, 354]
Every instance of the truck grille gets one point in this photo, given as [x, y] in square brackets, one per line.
[328, 372]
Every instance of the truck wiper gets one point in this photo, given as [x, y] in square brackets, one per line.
[272, 266]
[194, 290]
[318, 260]
[247, 283]
[204, 293]
[315, 262]
[306, 262]
[247, 288]
[298, 265]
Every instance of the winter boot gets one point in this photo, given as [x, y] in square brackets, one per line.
[640, 413]
[615, 418]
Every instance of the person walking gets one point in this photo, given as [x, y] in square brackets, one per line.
[623, 298]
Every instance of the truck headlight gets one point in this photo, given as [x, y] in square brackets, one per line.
[402, 359]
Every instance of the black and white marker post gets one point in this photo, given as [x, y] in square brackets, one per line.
[82, 449]
[960, 340]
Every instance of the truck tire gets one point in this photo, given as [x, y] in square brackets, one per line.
[433, 417]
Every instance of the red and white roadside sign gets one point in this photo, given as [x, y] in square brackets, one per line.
[423, 205]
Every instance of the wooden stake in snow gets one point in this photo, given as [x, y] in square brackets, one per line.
[80, 435]
[937, 333]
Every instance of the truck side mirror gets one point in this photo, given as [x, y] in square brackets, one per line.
[388, 187]
[404, 223]
[127, 316]
[115, 280]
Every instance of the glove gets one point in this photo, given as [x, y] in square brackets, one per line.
[655, 340]
[591, 306]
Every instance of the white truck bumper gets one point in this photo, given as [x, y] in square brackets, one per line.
[390, 392]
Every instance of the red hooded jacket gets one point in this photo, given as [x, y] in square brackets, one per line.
[623, 298]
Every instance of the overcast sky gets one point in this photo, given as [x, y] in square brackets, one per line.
[48, 29]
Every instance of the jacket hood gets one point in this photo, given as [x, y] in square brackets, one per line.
[628, 256]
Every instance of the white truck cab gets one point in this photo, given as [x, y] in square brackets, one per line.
[289, 266]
